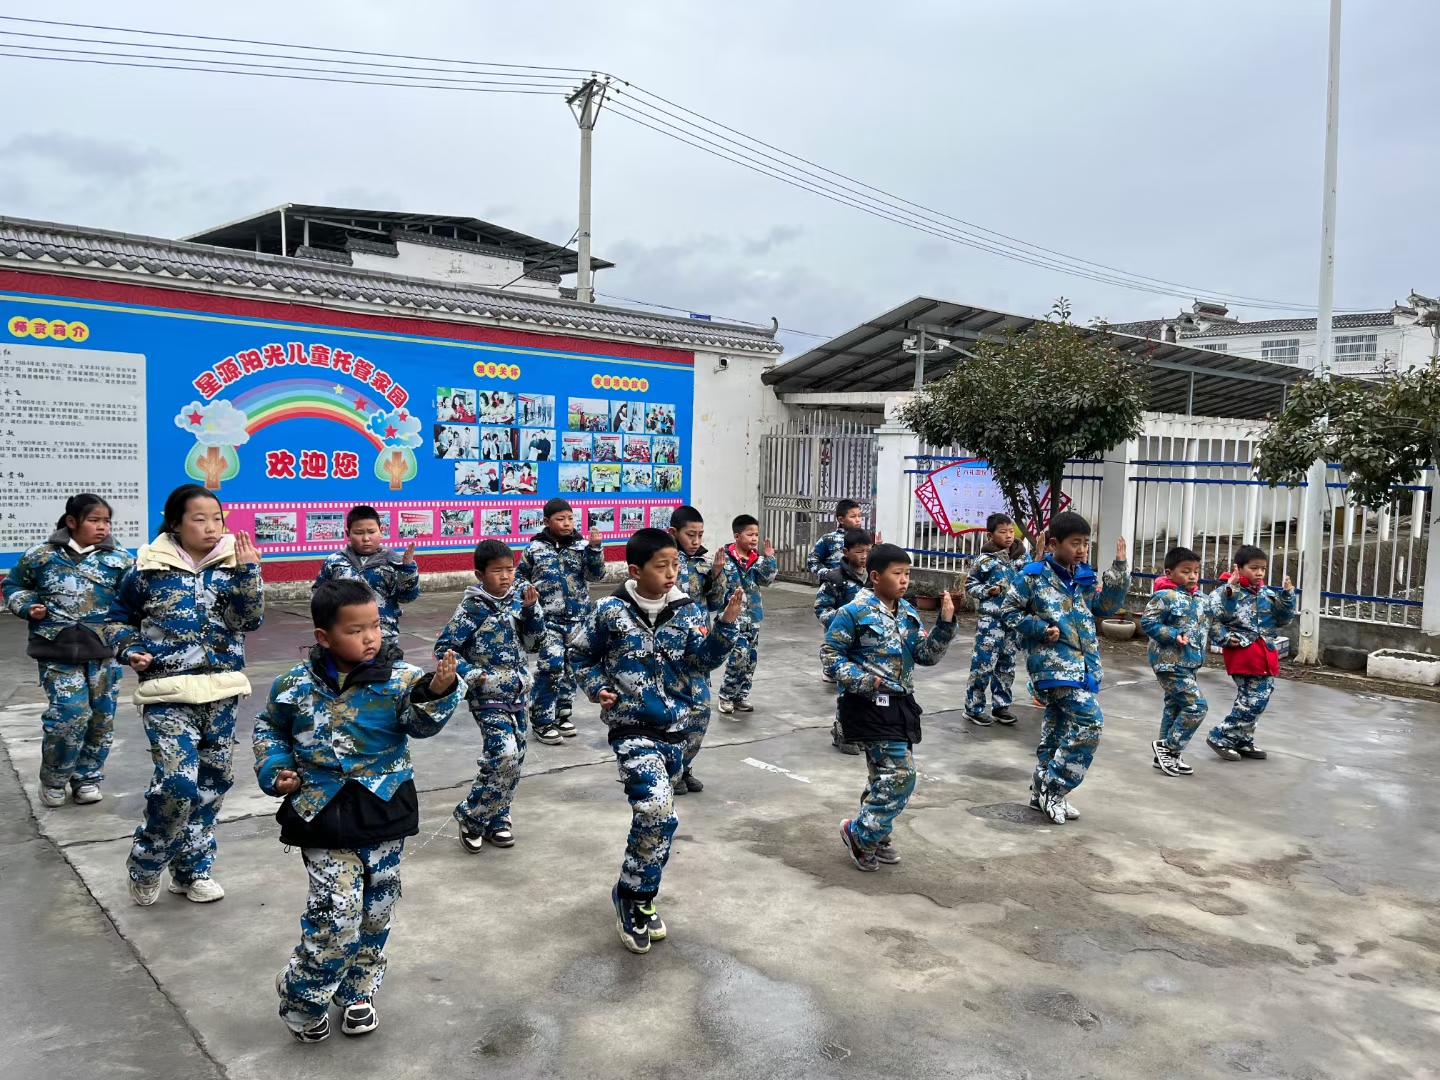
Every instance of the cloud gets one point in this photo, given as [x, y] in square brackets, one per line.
[217, 423]
[776, 237]
[393, 431]
[78, 155]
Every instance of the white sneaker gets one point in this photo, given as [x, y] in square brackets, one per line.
[1054, 807]
[726, 707]
[87, 793]
[52, 796]
[144, 892]
[203, 890]
[1070, 812]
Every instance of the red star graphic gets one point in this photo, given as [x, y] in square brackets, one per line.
[403, 415]
[194, 418]
[361, 404]
[389, 431]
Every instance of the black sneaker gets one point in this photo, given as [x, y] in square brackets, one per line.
[681, 785]
[653, 923]
[317, 1032]
[1162, 758]
[885, 852]
[563, 709]
[1251, 751]
[471, 838]
[632, 925]
[690, 781]
[1224, 753]
[566, 727]
[744, 706]
[863, 860]
[549, 735]
[1181, 765]
[360, 1019]
[501, 837]
[978, 718]
[1005, 716]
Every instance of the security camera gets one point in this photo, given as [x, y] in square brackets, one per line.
[722, 363]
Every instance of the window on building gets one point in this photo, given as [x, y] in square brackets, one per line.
[1356, 346]
[1281, 350]
[1215, 346]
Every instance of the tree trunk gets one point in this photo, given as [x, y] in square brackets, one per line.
[1057, 485]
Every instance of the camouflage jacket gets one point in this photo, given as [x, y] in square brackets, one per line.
[761, 570]
[393, 580]
[870, 650]
[1172, 613]
[828, 553]
[654, 668]
[989, 569]
[490, 638]
[77, 590]
[1044, 595]
[191, 619]
[838, 586]
[695, 580]
[1250, 614]
[560, 573]
[357, 730]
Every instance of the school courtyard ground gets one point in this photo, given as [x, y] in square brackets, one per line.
[1264, 920]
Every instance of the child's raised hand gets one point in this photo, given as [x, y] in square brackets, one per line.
[947, 607]
[1052, 634]
[140, 661]
[287, 781]
[1183, 639]
[733, 607]
[996, 590]
[1287, 585]
[37, 611]
[878, 538]
[1120, 550]
[444, 678]
[409, 555]
[245, 551]
[596, 536]
[530, 597]
[607, 699]
[769, 549]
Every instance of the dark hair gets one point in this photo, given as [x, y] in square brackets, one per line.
[685, 515]
[857, 537]
[488, 551]
[884, 556]
[330, 596]
[1177, 555]
[994, 521]
[178, 500]
[1248, 553]
[844, 506]
[742, 521]
[77, 506]
[645, 544]
[1063, 526]
[361, 513]
[555, 506]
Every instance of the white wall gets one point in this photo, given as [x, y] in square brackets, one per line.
[733, 409]
[1409, 345]
[458, 267]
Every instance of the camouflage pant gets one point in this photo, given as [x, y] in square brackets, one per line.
[190, 746]
[648, 769]
[341, 955]
[892, 780]
[79, 725]
[554, 681]
[1068, 737]
[992, 664]
[487, 807]
[1184, 708]
[740, 668]
[1252, 694]
[695, 732]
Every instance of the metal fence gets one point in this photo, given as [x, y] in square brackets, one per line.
[807, 466]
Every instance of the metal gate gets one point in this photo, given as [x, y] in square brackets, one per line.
[806, 467]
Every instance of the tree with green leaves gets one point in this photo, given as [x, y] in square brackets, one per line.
[1030, 401]
[1382, 434]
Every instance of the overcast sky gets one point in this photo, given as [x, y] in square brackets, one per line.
[1179, 140]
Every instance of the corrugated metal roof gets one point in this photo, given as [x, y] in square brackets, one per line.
[1181, 378]
[171, 263]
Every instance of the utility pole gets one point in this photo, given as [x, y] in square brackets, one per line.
[585, 103]
[1317, 499]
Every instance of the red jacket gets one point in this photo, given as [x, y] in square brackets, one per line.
[1257, 658]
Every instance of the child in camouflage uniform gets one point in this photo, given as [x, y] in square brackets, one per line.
[637, 655]
[558, 562]
[63, 588]
[700, 578]
[491, 630]
[1177, 622]
[179, 619]
[838, 587]
[332, 742]
[748, 570]
[829, 550]
[1247, 613]
[1052, 608]
[871, 647]
[992, 663]
[393, 577]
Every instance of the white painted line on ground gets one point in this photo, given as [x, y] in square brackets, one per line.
[776, 769]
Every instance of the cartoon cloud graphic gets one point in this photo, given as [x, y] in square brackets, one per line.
[399, 431]
[218, 428]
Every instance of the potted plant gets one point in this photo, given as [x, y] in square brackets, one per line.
[1119, 627]
[925, 595]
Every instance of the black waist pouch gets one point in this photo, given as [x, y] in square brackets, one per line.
[864, 720]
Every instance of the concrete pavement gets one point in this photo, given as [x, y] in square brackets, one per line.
[1275, 919]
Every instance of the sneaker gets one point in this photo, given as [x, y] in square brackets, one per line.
[360, 1019]
[885, 852]
[691, 781]
[744, 706]
[1181, 765]
[549, 735]
[1071, 813]
[471, 838]
[203, 890]
[316, 1032]
[863, 860]
[1250, 750]
[837, 740]
[1005, 716]
[727, 707]
[87, 793]
[1052, 806]
[1163, 758]
[563, 710]
[681, 786]
[653, 923]
[52, 796]
[567, 729]
[501, 837]
[978, 718]
[1224, 753]
[144, 893]
[633, 927]
[827, 676]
